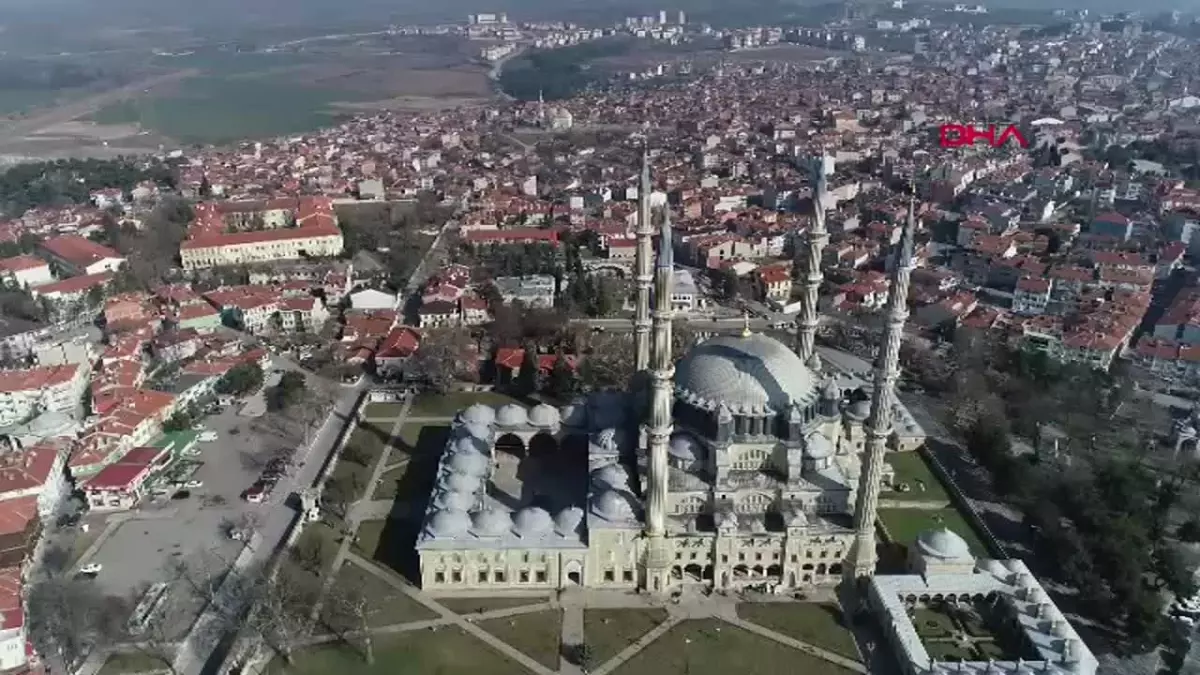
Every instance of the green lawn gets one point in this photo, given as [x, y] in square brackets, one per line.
[537, 634]
[912, 469]
[447, 405]
[903, 525]
[819, 624]
[446, 651]
[133, 662]
[933, 623]
[389, 483]
[383, 410]
[609, 631]
[363, 449]
[480, 605]
[712, 647]
[316, 547]
[366, 540]
[386, 604]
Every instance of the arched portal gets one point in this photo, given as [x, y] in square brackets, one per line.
[707, 574]
[821, 568]
[693, 572]
[775, 571]
[542, 445]
[758, 570]
[791, 578]
[511, 444]
[835, 568]
[677, 573]
[573, 573]
[741, 571]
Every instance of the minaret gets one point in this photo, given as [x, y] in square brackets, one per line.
[658, 564]
[814, 246]
[861, 561]
[644, 272]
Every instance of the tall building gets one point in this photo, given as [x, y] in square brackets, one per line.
[682, 18]
[744, 468]
[662, 17]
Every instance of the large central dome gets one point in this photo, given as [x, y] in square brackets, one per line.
[751, 374]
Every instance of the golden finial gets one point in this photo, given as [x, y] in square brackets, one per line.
[746, 324]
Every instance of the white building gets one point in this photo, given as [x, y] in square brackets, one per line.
[1020, 628]
[26, 393]
[25, 271]
[535, 290]
[79, 256]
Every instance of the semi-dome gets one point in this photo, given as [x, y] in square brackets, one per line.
[491, 523]
[476, 430]
[613, 505]
[479, 414]
[449, 523]
[751, 374]
[460, 501]
[943, 544]
[543, 415]
[685, 447]
[469, 463]
[610, 476]
[818, 447]
[532, 521]
[511, 415]
[461, 482]
[567, 521]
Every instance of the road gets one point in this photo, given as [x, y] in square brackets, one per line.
[406, 302]
[19, 129]
[278, 517]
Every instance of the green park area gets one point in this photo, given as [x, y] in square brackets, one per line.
[914, 479]
[445, 650]
[819, 624]
[712, 647]
[608, 632]
[903, 526]
[536, 634]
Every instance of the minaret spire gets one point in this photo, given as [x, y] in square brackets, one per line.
[644, 271]
[814, 246]
[659, 433]
[861, 562]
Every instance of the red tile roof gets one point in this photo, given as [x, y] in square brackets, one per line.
[79, 251]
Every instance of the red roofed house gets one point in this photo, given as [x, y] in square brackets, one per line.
[20, 528]
[74, 289]
[26, 271]
[15, 651]
[45, 389]
[119, 485]
[36, 471]
[261, 232]
[395, 349]
[775, 283]
[1031, 296]
[79, 256]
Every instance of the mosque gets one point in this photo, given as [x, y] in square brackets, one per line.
[748, 462]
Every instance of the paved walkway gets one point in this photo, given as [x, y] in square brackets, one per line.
[453, 619]
[928, 505]
[360, 510]
[572, 634]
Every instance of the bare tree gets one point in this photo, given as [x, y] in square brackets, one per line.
[68, 618]
[347, 611]
[444, 356]
[283, 606]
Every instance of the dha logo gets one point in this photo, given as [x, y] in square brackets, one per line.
[959, 135]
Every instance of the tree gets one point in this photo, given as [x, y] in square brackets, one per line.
[444, 356]
[347, 609]
[70, 617]
[1189, 531]
[564, 383]
[289, 391]
[241, 379]
[283, 604]
[527, 376]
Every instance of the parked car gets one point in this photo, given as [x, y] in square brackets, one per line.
[91, 569]
[256, 493]
[194, 484]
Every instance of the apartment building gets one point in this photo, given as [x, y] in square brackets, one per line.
[29, 392]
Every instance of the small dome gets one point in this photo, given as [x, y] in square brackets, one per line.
[491, 523]
[544, 416]
[470, 445]
[573, 415]
[831, 391]
[461, 482]
[859, 410]
[613, 505]
[818, 447]
[611, 476]
[469, 463]
[686, 448]
[458, 501]
[943, 544]
[476, 430]
[993, 567]
[511, 415]
[479, 414]
[532, 521]
[567, 521]
[449, 523]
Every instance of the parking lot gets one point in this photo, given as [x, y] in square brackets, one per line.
[139, 546]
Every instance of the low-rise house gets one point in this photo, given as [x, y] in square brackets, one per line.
[75, 255]
[535, 290]
[121, 485]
